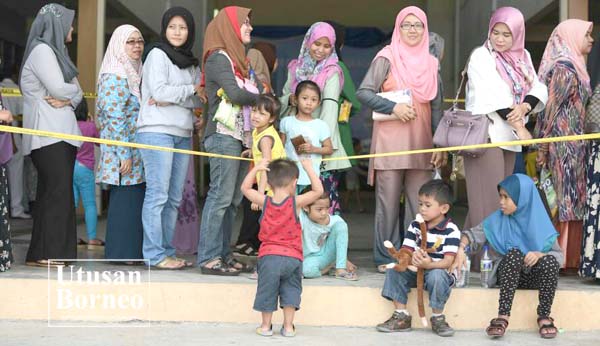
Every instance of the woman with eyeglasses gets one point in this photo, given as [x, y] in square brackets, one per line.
[121, 168]
[404, 65]
[169, 88]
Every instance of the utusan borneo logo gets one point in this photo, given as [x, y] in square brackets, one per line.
[90, 292]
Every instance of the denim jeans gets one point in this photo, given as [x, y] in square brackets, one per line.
[223, 198]
[165, 176]
[437, 283]
[84, 184]
[279, 279]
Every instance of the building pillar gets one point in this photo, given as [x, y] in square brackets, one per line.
[91, 17]
[574, 9]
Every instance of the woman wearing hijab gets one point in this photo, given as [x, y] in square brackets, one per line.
[225, 67]
[405, 64]
[523, 249]
[117, 108]
[590, 249]
[166, 118]
[318, 62]
[263, 60]
[6, 153]
[51, 92]
[502, 84]
[563, 70]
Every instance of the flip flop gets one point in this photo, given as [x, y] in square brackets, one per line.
[96, 246]
[168, 264]
[185, 263]
[45, 263]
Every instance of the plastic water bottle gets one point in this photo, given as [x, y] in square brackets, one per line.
[485, 267]
[465, 271]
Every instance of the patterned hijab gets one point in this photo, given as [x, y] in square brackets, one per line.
[51, 26]
[513, 65]
[412, 67]
[224, 33]
[567, 43]
[306, 68]
[529, 228]
[181, 56]
[116, 61]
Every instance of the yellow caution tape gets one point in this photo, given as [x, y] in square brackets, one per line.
[12, 92]
[58, 135]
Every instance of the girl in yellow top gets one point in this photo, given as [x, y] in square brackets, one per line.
[266, 143]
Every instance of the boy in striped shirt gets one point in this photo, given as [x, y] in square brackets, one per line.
[435, 200]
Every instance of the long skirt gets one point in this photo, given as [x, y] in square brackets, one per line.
[590, 249]
[6, 256]
[124, 230]
[187, 228]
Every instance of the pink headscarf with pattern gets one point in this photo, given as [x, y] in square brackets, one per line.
[305, 67]
[567, 43]
[116, 61]
[513, 65]
[413, 67]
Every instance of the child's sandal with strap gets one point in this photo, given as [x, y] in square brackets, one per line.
[497, 327]
[547, 330]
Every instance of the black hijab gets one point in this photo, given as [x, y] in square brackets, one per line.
[180, 56]
[593, 64]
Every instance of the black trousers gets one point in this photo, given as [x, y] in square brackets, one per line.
[54, 234]
[250, 225]
[512, 274]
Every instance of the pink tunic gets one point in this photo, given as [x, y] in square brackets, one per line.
[392, 136]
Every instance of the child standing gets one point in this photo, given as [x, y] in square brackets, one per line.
[304, 135]
[280, 254]
[84, 183]
[434, 203]
[325, 242]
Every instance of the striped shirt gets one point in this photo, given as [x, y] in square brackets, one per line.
[446, 234]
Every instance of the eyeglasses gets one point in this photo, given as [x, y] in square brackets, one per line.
[408, 26]
[134, 42]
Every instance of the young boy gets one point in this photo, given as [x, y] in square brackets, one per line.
[434, 203]
[280, 254]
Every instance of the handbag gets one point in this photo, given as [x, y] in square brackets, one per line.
[345, 110]
[592, 112]
[227, 114]
[459, 127]
[546, 187]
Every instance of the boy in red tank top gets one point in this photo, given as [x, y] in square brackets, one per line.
[280, 253]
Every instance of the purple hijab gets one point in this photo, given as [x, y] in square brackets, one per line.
[305, 67]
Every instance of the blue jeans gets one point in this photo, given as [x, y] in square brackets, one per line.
[165, 176]
[437, 283]
[223, 198]
[84, 184]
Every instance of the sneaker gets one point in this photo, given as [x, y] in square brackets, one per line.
[440, 326]
[399, 322]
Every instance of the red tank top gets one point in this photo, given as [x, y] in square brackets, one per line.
[280, 231]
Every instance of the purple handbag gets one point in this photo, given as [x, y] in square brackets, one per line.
[460, 127]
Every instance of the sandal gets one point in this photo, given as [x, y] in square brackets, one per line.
[348, 276]
[184, 261]
[244, 250]
[169, 263]
[220, 268]
[263, 332]
[45, 263]
[497, 327]
[287, 334]
[81, 242]
[100, 246]
[235, 264]
[547, 330]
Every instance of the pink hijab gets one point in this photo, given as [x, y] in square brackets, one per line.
[413, 67]
[305, 67]
[566, 44]
[513, 65]
[116, 61]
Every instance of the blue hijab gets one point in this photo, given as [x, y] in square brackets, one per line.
[529, 228]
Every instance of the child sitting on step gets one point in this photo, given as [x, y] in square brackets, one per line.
[325, 242]
[435, 200]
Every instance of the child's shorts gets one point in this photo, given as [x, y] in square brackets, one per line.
[278, 277]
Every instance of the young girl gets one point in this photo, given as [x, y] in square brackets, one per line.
[523, 248]
[84, 183]
[325, 242]
[266, 144]
[304, 135]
